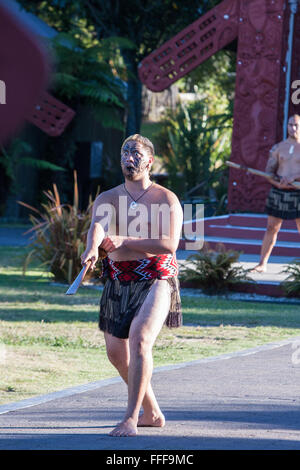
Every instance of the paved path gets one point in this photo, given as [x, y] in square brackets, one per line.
[274, 272]
[247, 400]
[14, 236]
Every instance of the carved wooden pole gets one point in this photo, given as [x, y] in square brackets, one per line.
[256, 105]
[261, 95]
[262, 28]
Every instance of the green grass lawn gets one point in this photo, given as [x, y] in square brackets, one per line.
[50, 341]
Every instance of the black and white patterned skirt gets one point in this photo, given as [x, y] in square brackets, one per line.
[283, 203]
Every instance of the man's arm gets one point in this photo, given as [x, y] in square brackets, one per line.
[96, 232]
[272, 167]
[272, 163]
[95, 236]
[166, 241]
[290, 179]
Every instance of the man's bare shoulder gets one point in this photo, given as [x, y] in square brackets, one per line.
[277, 147]
[109, 195]
[165, 194]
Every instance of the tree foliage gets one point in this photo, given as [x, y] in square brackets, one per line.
[194, 144]
[215, 80]
[18, 153]
[84, 75]
[146, 23]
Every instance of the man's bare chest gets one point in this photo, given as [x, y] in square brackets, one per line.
[141, 219]
[289, 155]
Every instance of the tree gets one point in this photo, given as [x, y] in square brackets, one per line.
[215, 79]
[82, 73]
[86, 72]
[146, 23]
[13, 160]
[194, 144]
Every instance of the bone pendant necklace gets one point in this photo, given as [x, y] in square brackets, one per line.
[133, 204]
[291, 149]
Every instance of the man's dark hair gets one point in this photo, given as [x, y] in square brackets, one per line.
[295, 116]
[144, 141]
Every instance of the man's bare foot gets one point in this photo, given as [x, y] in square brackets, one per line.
[260, 268]
[126, 428]
[156, 421]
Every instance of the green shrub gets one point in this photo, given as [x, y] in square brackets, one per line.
[292, 283]
[213, 270]
[60, 236]
[194, 145]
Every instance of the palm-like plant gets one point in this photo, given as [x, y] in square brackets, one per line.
[60, 235]
[19, 154]
[194, 145]
[86, 72]
[291, 285]
[213, 270]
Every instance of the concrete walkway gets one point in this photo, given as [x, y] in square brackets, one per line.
[247, 400]
[14, 236]
[242, 401]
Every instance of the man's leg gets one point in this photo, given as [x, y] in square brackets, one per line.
[298, 224]
[143, 331]
[269, 240]
[118, 353]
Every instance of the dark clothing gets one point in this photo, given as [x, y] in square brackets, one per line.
[121, 302]
[283, 203]
[127, 286]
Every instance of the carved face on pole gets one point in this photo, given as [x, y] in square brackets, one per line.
[136, 160]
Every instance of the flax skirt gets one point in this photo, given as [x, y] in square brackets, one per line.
[283, 203]
[121, 302]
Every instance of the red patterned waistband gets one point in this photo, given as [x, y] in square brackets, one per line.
[155, 267]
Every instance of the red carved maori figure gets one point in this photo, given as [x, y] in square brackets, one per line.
[262, 28]
[24, 76]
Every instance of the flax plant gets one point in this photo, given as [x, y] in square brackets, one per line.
[59, 235]
[292, 283]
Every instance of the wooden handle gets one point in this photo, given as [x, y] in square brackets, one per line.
[268, 176]
[75, 285]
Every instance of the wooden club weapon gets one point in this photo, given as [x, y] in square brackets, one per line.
[75, 284]
[268, 176]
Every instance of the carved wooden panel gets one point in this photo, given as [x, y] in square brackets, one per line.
[256, 107]
[192, 46]
[24, 70]
[262, 27]
[50, 115]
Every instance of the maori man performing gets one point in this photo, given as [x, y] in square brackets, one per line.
[283, 201]
[141, 292]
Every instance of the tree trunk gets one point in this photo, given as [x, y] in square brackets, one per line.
[134, 95]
